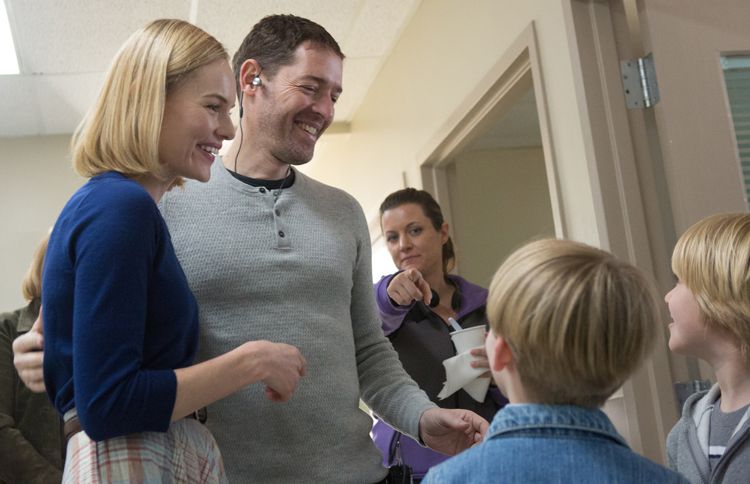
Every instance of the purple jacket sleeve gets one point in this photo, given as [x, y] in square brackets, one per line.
[391, 315]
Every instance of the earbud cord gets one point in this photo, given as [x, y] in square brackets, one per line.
[241, 136]
[286, 177]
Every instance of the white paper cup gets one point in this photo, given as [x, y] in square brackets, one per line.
[464, 340]
[468, 338]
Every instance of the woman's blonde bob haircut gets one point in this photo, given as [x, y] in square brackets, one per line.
[712, 259]
[121, 130]
[31, 286]
[577, 320]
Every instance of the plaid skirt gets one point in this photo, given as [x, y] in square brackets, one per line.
[186, 453]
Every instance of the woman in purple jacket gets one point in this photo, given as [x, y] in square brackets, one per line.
[415, 304]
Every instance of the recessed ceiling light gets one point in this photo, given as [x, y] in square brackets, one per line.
[8, 58]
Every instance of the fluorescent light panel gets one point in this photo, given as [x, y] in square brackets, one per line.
[8, 58]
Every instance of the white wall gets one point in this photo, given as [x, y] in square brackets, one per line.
[36, 179]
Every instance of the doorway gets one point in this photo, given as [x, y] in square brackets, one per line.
[498, 192]
[492, 169]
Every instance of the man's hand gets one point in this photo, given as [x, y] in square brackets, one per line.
[281, 367]
[450, 431]
[28, 356]
[409, 286]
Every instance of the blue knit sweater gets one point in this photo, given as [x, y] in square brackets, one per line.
[119, 316]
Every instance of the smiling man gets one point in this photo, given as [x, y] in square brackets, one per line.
[274, 255]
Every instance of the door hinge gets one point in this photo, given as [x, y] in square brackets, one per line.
[639, 82]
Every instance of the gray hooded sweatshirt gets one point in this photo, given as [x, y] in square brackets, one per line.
[687, 444]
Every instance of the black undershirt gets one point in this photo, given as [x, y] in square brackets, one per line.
[285, 182]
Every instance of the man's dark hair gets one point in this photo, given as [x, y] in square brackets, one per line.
[273, 40]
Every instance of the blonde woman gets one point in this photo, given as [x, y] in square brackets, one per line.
[120, 322]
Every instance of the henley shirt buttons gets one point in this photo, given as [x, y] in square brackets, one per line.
[281, 234]
[262, 190]
[277, 212]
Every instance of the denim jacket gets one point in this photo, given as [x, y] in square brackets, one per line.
[551, 444]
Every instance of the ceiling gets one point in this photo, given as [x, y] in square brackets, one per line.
[64, 47]
[518, 127]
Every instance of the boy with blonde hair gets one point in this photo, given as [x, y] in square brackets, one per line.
[568, 324]
[710, 310]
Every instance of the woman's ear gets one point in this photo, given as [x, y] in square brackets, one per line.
[444, 233]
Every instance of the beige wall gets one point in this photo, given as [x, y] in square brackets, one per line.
[442, 55]
[499, 200]
[37, 179]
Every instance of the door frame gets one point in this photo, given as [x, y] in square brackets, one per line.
[513, 74]
[636, 213]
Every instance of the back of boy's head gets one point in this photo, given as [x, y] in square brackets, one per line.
[712, 259]
[577, 320]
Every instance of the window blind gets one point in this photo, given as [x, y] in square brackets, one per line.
[737, 79]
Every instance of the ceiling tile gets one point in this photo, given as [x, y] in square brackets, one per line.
[230, 22]
[54, 36]
[378, 26]
[66, 46]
